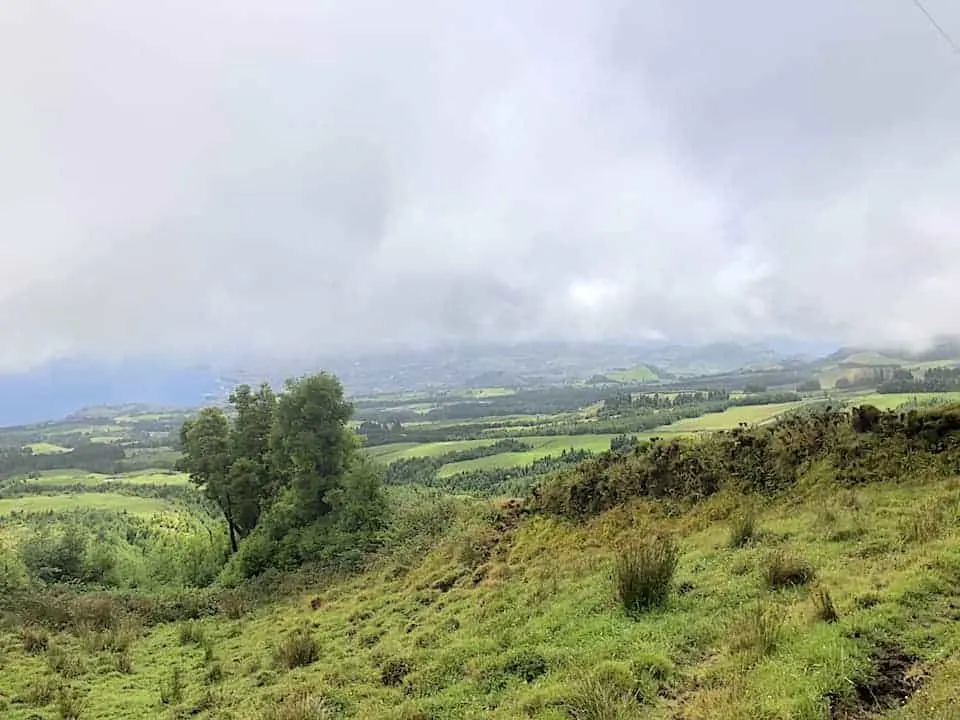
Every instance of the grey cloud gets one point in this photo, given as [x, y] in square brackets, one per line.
[294, 177]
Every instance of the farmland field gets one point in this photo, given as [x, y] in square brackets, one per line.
[891, 401]
[45, 448]
[86, 501]
[730, 418]
[637, 373]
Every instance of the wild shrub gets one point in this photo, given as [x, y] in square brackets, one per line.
[643, 573]
[743, 529]
[298, 650]
[234, 603]
[35, 640]
[301, 705]
[528, 665]
[96, 612]
[785, 570]
[394, 671]
[761, 629]
[823, 606]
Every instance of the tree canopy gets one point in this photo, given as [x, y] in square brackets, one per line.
[278, 465]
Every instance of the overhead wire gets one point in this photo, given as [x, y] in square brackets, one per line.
[940, 29]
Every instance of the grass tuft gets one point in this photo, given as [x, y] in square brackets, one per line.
[595, 699]
[644, 572]
[171, 690]
[785, 570]
[35, 640]
[302, 705]
[298, 650]
[761, 629]
[823, 606]
[743, 529]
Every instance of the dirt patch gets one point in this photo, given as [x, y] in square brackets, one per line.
[891, 686]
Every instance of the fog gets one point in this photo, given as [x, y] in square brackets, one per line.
[203, 179]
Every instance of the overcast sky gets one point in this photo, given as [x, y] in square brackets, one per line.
[295, 176]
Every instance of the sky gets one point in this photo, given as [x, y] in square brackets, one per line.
[292, 177]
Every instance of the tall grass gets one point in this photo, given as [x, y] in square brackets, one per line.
[644, 572]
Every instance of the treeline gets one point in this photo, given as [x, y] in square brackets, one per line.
[859, 446]
[542, 401]
[88, 456]
[622, 402]
[933, 380]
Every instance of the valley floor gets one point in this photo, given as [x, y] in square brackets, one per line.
[509, 615]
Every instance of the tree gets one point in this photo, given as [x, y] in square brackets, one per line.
[311, 442]
[232, 462]
[206, 458]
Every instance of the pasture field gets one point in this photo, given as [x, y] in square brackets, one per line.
[891, 401]
[46, 448]
[635, 374]
[95, 501]
[731, 417]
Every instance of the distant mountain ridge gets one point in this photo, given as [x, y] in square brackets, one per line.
[58, 389]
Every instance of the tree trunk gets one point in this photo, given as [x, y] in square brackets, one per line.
[233, 529]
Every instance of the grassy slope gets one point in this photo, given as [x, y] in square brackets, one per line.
[537, 597]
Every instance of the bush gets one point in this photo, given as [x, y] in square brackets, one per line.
[527, 665]
[394, 671]
[785, 570]
[823, 606]
[742, 530]
[298, 650]
[644, 572]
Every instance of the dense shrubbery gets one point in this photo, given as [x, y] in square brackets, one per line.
[110, 549]
[861, 446]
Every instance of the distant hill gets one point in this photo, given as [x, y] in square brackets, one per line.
[59, 389]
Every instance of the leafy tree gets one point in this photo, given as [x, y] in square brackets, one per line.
[206, 458]
[311, 442]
